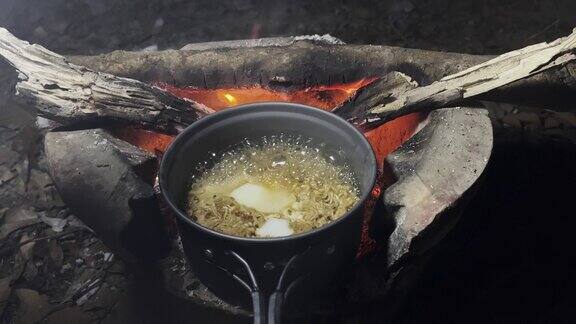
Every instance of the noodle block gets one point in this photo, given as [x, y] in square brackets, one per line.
[275, 227]
[262, 199]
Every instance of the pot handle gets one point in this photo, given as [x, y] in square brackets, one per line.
[266, 310]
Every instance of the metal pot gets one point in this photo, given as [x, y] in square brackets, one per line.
[265, 271]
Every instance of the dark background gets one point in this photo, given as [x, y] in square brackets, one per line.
[481, 27]
[512, 257]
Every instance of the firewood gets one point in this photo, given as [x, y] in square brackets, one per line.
[96, 89]
[74, 94]
[478, 81]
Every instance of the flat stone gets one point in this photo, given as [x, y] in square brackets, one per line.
[429, 183]
[100, 180]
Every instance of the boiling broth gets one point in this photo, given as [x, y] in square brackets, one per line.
[281, 186]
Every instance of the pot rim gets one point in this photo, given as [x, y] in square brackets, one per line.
[170, 151]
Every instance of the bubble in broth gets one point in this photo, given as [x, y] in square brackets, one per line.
[281, 186]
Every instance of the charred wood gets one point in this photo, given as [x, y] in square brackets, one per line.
[73, 94]
[486, 81]
[541, 75]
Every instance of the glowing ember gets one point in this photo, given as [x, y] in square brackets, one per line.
[152, 142]
[231, 99]
[323, 97]
[384, 139]
[388, 137]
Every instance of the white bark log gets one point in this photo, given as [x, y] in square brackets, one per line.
[74, 94]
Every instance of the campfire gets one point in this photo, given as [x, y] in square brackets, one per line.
[117, 113]
[384, 139]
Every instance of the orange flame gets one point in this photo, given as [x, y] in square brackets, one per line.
[230, 99]
[152, 142]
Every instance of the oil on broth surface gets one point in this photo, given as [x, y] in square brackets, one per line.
[281, 186]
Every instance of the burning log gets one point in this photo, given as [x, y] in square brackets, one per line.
[557, 58]
[78, 95]
[72, 94]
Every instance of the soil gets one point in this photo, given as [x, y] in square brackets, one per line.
[509, 260]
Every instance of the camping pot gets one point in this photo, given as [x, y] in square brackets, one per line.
[264, 272]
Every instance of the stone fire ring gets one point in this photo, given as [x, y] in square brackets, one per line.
[435, 168]
[100, 179]
[96, 176]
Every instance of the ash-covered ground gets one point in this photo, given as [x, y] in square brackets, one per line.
[509, 260]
